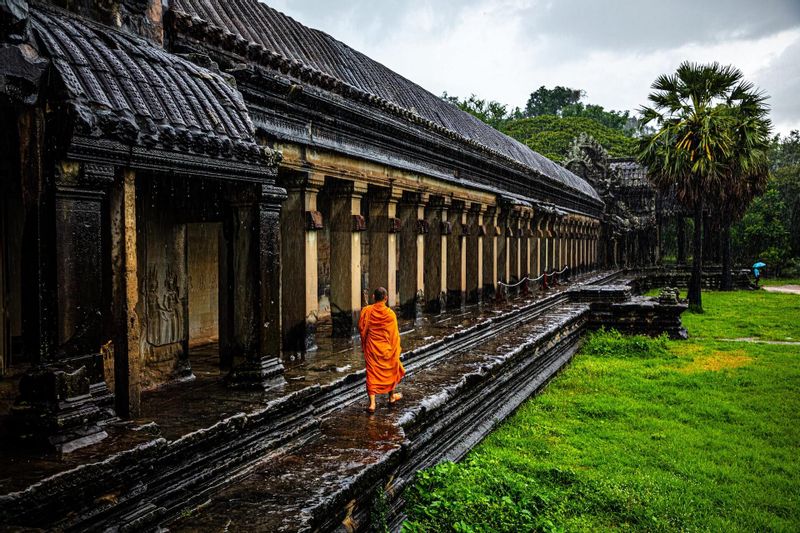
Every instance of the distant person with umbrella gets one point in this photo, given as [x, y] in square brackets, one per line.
[757, 271]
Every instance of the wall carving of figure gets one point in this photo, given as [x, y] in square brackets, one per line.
[164, 308]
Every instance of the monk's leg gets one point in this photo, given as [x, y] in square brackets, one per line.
[372, 405]
[395, 396]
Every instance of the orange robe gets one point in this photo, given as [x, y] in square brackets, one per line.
[380, 340]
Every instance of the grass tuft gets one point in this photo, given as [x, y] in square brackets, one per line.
[612, 343]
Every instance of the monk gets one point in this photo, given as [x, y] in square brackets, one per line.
[380, 340]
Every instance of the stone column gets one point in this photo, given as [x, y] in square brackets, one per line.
[539, 240]
[436, 254]
[124, 325]
[64, 394]
[503, 242]
[514, 245]
[347, 224]
[587, 247]
[489, 253]
[525, 247]
[556, 242]
[382, 230]
[300, 220]
[569, 254]
[547, 225]
[474, 253]
[457, 255]
[412, 247]
[256, 296]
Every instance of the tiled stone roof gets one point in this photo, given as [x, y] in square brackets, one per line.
[125, 88]
[264, 35]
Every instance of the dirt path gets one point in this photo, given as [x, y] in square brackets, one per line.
[760, 341]
[787, 289]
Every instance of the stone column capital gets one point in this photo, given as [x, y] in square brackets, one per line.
[298, 179]
[343, 188]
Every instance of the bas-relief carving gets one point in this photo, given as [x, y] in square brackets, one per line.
[163, 296]
[164, 308]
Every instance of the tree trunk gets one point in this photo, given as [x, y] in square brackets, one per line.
[681, 232]
[696, 281]
[727, 278]
[708, 252]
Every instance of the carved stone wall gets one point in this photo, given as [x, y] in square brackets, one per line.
[163, 288]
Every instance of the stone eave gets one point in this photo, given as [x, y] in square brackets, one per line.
[109, 152]
[358, 132]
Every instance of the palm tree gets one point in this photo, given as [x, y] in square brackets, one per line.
[691, 150]
[747, 170]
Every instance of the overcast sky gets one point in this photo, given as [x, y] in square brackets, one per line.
[613, 49]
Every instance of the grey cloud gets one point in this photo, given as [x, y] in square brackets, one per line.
[374, 20]
[637, 26]
[781, 81]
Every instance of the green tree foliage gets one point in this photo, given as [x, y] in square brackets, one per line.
[546, 101]
[551, 135]
[491, 112]
[617, 120]
[770, 230]
[785, 151]
[711, 136]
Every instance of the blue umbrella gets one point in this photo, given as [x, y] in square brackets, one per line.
[759, 265]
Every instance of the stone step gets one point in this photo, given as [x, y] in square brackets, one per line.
[447, 408]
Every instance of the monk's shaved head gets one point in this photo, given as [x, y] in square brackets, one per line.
[379, 294]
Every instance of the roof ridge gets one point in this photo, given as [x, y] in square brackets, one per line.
[212, 32]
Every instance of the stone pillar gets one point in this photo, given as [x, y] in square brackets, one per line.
[539, 239]
[383, 227]
[412, 247]
[503, 245]
[300, 220]
[514, 245]
[490, 253]
[436, 254]
[125, 328]
[64, 394]
[475, 234]
[587, 246]
[347, 224]
[556, 264]
[525, 246]
[256, 296]
[457, 255]
[569, 256]
[547, 225]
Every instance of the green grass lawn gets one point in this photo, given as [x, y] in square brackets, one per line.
[780, 281]
[648, 435]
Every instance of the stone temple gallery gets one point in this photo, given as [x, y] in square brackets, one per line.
[198, 196]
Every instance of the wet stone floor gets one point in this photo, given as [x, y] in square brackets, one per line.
[282, 493]
[351, 438]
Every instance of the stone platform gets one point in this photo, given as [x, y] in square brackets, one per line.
[305, 455]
